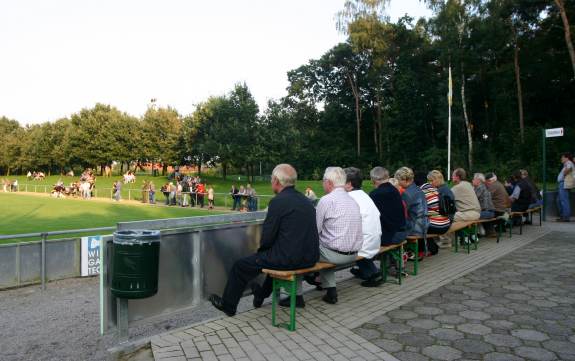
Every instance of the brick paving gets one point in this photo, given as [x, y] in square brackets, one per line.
[519, 307]
[460, 317]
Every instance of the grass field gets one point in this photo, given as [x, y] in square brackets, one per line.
[133, 190]
[35, 213]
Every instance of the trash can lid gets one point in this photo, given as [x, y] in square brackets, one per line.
[137, 236]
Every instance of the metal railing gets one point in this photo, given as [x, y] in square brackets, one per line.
[44, 239]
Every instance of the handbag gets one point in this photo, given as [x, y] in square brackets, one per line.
[569, 181]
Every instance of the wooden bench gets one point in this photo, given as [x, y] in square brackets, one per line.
[287, 279]
[529, 213]
[413, 242]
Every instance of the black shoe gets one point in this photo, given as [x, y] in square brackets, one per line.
[258, 300]
[311, 280]
[218, 303]
[299, 302]
[373, 281]
[330, 296]
[354, 272]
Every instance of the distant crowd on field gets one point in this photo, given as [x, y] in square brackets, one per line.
[184, 191]
[244, 198]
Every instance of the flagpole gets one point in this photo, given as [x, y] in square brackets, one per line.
[449, 99]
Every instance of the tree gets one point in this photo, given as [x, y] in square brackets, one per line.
[561, 6]
[161, 132]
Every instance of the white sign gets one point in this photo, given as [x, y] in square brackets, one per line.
[555, 132]
[91, 255]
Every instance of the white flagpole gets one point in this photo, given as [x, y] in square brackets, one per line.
[449, 99]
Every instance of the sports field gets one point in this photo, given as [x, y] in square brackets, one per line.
[133, 190]
[20, 213]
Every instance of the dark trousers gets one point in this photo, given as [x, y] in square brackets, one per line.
[242, 272]
[367, 267]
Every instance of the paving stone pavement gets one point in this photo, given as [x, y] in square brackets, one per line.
[519, 307]
[467, 313]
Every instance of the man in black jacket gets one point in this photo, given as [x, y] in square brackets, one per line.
[289, 241]
[388, 200]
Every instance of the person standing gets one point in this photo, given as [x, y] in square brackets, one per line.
[152, 189]
[565, 182]
[211, 197]
[117, 190]
[289, 241]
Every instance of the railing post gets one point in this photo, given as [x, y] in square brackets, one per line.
[43, 261]
[129, 194]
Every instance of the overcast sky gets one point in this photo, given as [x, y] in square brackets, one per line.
[61, 56]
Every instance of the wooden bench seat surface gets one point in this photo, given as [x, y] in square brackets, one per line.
[288, 274]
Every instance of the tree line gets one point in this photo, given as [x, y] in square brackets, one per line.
[378, 98]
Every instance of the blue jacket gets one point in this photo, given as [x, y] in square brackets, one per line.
[388, 201]
[417, 221]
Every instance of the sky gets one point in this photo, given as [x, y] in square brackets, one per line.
[60, 56]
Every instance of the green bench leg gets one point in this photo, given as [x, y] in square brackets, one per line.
[383, 265]
[455, 244]
[291, 288]
[397, 254]
[414, 247]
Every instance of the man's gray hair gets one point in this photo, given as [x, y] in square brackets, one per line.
[379, 174]
[479, 176]
[285, 174]
[336, 175]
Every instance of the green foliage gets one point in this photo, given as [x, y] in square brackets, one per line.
[377, 99]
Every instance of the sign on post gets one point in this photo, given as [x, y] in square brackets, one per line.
[555, 132]
[91, 255]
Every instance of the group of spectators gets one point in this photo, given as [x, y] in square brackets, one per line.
[348, 222]
[244, 198]
[9, 186]
[188, 192]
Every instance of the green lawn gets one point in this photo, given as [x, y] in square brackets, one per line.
[133, 190]
[29, 214]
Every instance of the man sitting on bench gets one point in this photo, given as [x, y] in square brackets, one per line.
[289, 241]
[371, 229]
[339, 226]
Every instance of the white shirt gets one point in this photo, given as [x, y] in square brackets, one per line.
[370, 224]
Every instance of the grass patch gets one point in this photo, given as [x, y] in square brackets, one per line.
[31, 214]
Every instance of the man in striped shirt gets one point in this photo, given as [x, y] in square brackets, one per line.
[339, 225]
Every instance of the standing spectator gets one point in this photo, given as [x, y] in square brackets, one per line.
[211, 197]
[172, 189]
[339, 226]
[251, 196]
[118, 190]
[145, 191]
[152, 190]
[565, 182]
[166, 192]
[200, 191]
[235, 197]
[371, 229]
[466, 202]
[289, 240]
[185, 192]
[243, 199]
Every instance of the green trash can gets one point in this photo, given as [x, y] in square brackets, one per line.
[134, 264]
